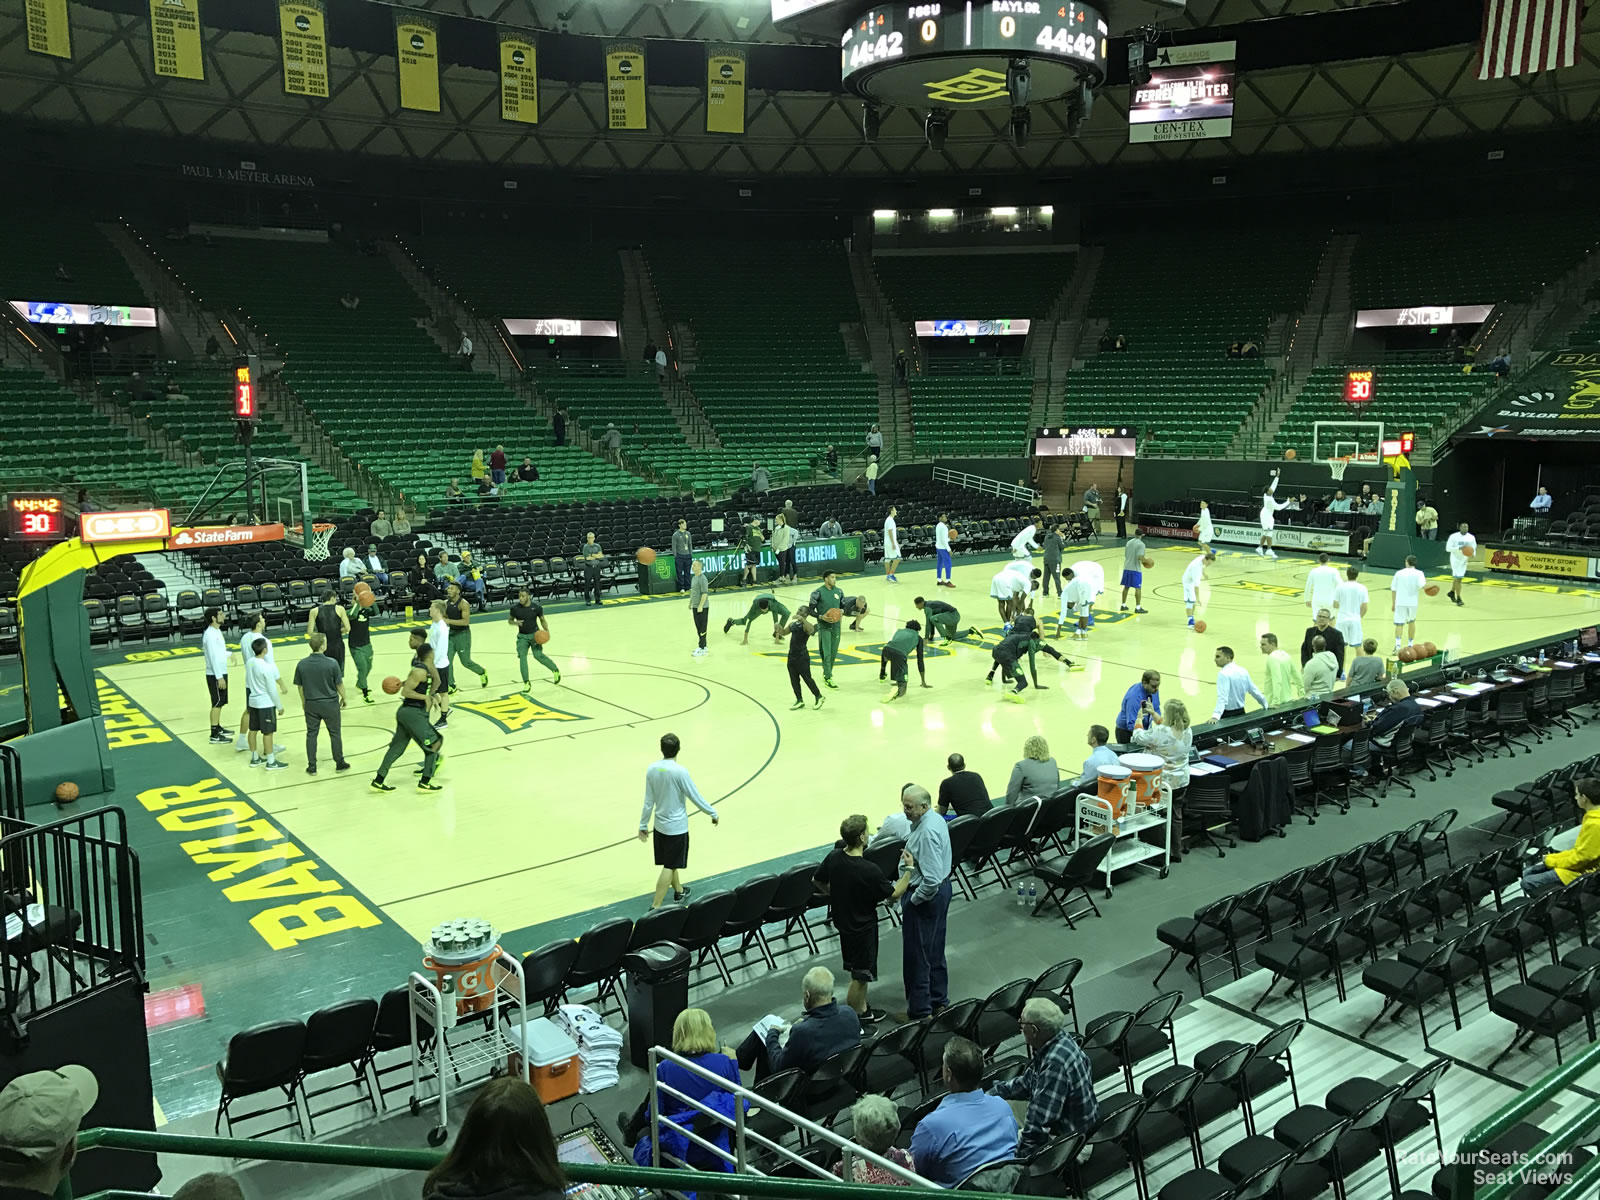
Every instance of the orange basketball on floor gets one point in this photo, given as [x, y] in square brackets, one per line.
[541, 636]
[392, 685]
[1290, 454]
[1199, 626]
[645, 555]
[66, 793]
[1432, 589]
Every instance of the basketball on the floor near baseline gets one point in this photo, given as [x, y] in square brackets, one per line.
[66, 792]
[1199, 626]
[1291, 453]
[392, 684]
[541, 636]
[645, 555]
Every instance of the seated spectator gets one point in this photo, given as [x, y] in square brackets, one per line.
[444, 571]
[1107, 341]
[214, 1185]
[470, 577]
[62, 273]
[830, 529]
[1320, 674]
[1035, 773]
[1169, 736]
[1100, 754]
[505, 1150]
[1374, 507]
[1251, 350]
[39, 1117]
[453, 494]
[824, 1029]
[1235, 349]
[1340, 502]
[350, 567]
[402, 522]
[380, 527]
[894, 827]
[1565, 866]
[1402, 710]
[527, 472]
[874, 1126]
[1057, 1084]
[694, 1038]
[488, 490]
[964, 793]
[1122, 341]
[375, 564]
[855, 887]
[1366, 668]
[970, 1128]
[420, 578]
[350, 301]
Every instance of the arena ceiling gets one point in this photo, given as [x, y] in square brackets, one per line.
[1382, 101]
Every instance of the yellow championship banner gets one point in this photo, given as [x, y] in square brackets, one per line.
[519, 78]
[303, 30]
[175, 39]
[48, 31]
[625, 85]
[724, 89]
[416, 53]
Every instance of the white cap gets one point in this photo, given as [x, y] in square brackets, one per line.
[40, 1112]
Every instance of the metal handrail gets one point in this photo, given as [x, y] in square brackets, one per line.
[985, 485]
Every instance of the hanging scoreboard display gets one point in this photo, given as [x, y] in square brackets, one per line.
[1188, 98]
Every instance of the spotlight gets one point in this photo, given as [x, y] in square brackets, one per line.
[1021, 125]
[936, 126]
[1138, 62]
[1019, 81]
[871, 122]
[1079, 105]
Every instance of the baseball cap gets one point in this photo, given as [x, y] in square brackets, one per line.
[40, 1112]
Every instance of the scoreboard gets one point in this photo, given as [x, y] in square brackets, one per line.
[1110, 441]
[1359, 387]
[36, 517]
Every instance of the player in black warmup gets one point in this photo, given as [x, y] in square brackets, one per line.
[942, 619]
[328, 619]
[411, 723]
[1008, 658]
[800, 631]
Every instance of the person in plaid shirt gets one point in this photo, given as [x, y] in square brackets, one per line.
[1058, 1084]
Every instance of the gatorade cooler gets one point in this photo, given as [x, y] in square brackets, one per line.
[1115, 788]
[552, 1058]
[1145, 780]
[461, 955]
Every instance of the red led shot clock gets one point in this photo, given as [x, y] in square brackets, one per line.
[1359, 387]
[36, 517]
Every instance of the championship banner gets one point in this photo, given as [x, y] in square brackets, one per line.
[416, 56]
[519, 78]
[625, 85]
[175, 39]
[303, 32]
[1560, 399]
[48, 29]
[1189, 96]
[724, 89]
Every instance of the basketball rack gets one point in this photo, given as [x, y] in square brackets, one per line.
[316, 549]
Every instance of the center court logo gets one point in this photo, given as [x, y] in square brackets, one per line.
[977, 86]
[516, 712]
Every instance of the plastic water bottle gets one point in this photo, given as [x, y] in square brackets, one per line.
[1020, 900]
[1031, 893]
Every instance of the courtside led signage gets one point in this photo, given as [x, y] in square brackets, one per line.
[134, 525]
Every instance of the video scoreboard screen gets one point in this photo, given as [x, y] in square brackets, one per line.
[1107, 441]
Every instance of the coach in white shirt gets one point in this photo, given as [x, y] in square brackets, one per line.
[1462, 545]
[1321, 583]
[1405, 593]
[1233, 685]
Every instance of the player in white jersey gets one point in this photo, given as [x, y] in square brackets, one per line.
[1203, 531]
[1269, 508]
[1023, 545]
[256, 626]
[1095, 576]
[1077, 603]
[1011, 586]
[439, 639]
[1462, 546]
[1193, 574]
[1350, 601]
[891, 546]
[942, 573]
[1405, 593]
[1321, 582]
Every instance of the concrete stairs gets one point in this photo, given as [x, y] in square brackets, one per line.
[1542, 323]
[639, 286]
[886, 335]
[1322, 332]
[452, 316]
[181, 315]
[1071, 333]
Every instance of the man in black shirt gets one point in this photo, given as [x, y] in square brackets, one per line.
[856, 887]
[528, 617]
[964, 793]
[328, 619]
[1331, 637]
[942, 619]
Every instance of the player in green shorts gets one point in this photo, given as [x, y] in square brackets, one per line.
[458, 617]
[943, 619]
[895, 658]
[360, 644]
[529, 619]
[761, 604]
[411, 723]
[827, 597]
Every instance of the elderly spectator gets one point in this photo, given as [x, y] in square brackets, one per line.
[760, 479]
[970, 1128]
[1401, 710]
[874, 1126]
[214, 1185]
[855, 886]
[694, 1038]
[613, 443]
[380, 527]
[527, 472]
[964, 793]
[453, 493]
[1321, 671]
[1100, 754]
[1283, 685]
[375, 564]
[1170, 737]
[893, 828]
[470, 577]
[1140, 704]
[1540, 507]
[661, 362]
[39, 1117]
[824, 1029]
[1058, 1084]
[350, 567]
[924, 893]
[1034, 774]
[872, 476]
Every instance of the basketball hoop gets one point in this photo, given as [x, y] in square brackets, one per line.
[316, 550]
[1336, 466]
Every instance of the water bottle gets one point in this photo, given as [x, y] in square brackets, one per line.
[1031, 893]
[1020, 900]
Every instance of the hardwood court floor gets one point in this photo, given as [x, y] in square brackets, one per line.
[542, 794]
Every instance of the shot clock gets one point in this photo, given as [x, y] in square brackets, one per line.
[36, 517]
[1359, 387]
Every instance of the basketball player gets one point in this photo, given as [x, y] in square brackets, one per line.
[411, 721]
[1077, 598]
[1270, 505]
[1405, 593]
[1193, 575]
[1007, 656]
[1350, 600]
[328, 619]
[1461, 545]
[767, 603]
[825, 598]
[1023, 545]
[1009, 586]
[752, 543]
[943, 572]
[1133, 574]
[1203, 532]
[264, 704]
[666, 786]
[1054, 540]
[528, 617]
[256, 628]
[895, 658]
[439, 639]
[1094, 575]
[215, 649]
[943, 619]
[1322, 581]
[458, 617]
[358, 619]
[891, 546]
[799, 660]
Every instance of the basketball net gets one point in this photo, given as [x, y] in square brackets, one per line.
[316, 547]
[1336, 466]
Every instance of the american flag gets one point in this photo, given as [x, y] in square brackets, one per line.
[1524, 37]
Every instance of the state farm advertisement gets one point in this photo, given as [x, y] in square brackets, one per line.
[197, 536]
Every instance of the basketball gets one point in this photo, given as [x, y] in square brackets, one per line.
[833, 616]
[66, 793]
[365, 598]
[1469, 550]
[1147, 562]
[1407, 654]
[1199, 626]
[1429, 649]
[392, 684]
[541, 636]
[1432, 589]
[1290, 454]
[645, 555]
[954, 534]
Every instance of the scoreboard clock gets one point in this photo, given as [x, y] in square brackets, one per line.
[1087, 441]
[36, 517]
[1359, 387]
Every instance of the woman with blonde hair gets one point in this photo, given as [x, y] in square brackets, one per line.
[693, 1038]
[505, 1150]
[1169, 736]
[479, 470]
[1035, 774]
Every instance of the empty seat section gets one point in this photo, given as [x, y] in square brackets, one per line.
[1406, 396]
[533, 278]
[1482, 261]
[30, 258]
[941, 287]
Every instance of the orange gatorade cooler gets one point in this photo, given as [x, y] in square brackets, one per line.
[1146, 776]
[1115, 787]
[552, 1057]
[461, 955]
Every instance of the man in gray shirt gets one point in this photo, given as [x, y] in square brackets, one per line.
[613, 440]
[682, 548]
[924, 895]
[1133, 573]
[760, 481]
[831, 529]
[1053, 542]
[699, 602]
[593, 558]
[321, 683]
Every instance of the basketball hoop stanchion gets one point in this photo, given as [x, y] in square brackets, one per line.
[316, 547]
